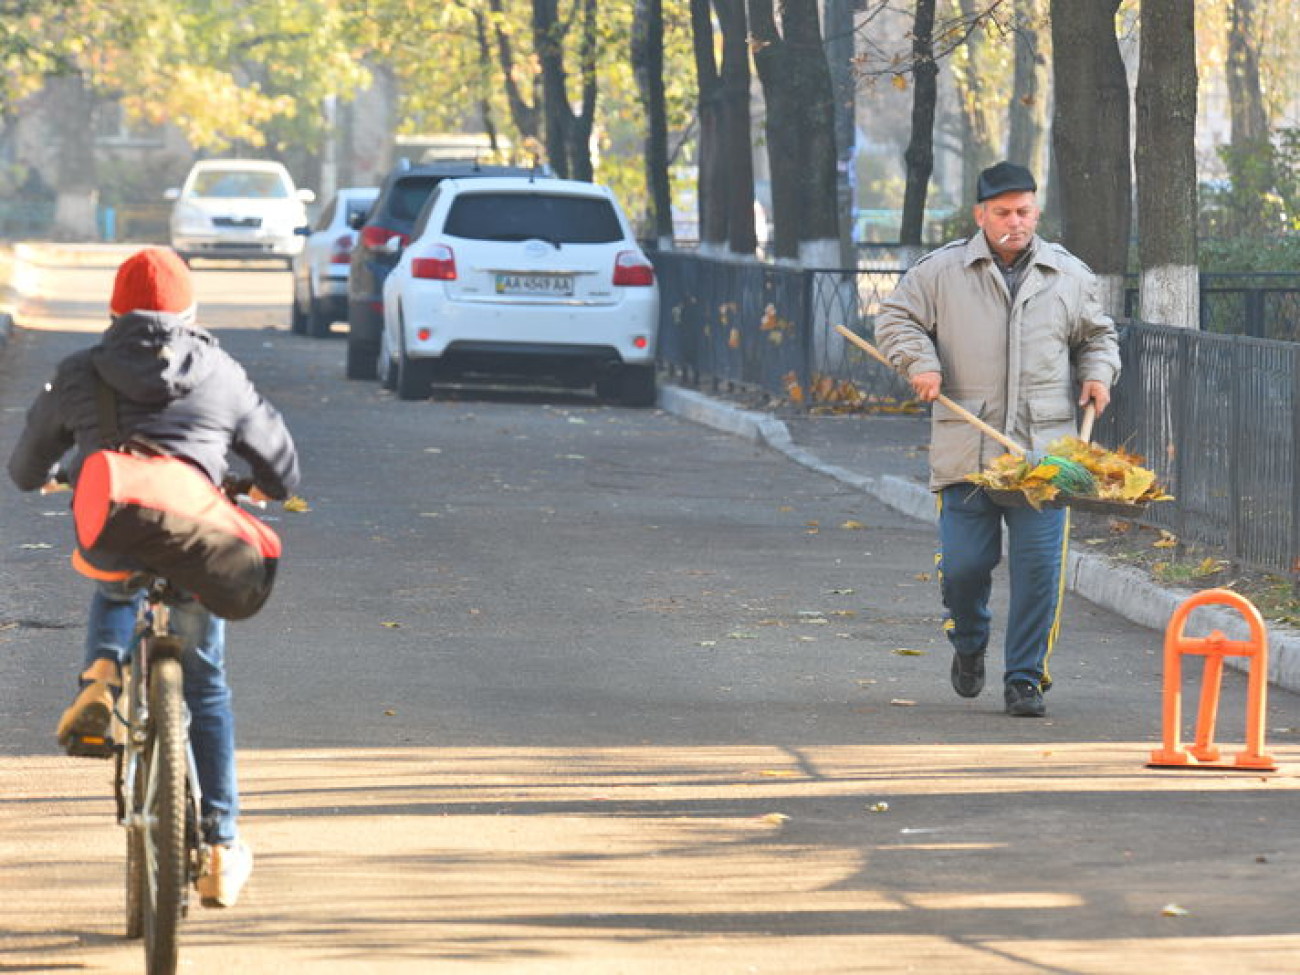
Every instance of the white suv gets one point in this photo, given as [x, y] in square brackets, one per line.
[520, 278]
[245, 209]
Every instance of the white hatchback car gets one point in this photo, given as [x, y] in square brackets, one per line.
[320, 272]
[517, 278]
[243, 209]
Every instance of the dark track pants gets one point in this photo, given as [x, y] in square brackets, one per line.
[970, 546]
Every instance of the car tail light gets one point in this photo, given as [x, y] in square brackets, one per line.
[438, 265]
[632, 270]
[341, 250]
[374, 236]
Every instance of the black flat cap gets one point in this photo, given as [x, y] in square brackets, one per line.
[1005, 177]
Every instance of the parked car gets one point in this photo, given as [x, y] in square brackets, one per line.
[519, 278]
[247, 209]
[320, 272]
[401, 196]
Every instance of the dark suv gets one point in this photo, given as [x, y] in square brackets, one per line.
[401, 197]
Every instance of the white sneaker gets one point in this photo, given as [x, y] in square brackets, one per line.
[225, 871]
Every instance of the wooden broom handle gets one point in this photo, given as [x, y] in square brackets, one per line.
[1089, 416]
[961, 411]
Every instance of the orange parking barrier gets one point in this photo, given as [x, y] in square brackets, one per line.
[1214, 648]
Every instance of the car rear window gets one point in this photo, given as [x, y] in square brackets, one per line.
[409, 194]
[240, 183]
[523, 216]
[358, 208]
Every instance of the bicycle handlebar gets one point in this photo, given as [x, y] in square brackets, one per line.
[240, 489]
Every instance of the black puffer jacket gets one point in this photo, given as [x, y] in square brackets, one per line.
[175, 386]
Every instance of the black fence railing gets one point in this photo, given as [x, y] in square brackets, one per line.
[1216, 416]
[1261, 305]
[25, 219]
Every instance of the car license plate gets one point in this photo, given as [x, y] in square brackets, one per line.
[549, 285]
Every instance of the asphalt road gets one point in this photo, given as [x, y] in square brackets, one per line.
[550, 686]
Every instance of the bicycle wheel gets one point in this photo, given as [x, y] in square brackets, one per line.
[134, 869]
[163, 836]
[129, 796]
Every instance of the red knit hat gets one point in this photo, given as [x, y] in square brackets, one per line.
[154, 279]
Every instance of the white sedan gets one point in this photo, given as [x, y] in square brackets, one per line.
[320, 272]
[521, 279]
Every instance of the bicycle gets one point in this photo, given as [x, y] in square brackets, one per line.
[155, 782]
[156, 786]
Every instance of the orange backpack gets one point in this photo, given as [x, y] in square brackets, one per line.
[134, 504]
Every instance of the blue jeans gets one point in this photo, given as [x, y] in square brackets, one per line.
[212, 721]
[970, 546]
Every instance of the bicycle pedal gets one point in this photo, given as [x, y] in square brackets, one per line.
[90, 746]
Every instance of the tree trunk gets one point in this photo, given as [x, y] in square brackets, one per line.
[648, 64]
[1245, 95]
[1090, 135]
[1028, 116]
[1166, 163]
[979, 111]
[568, 133]
[548, 42]
[800, 129]
[839, 57]
[737, 145]
[1250, 158]
[726, 180]
[919, 156]
[525, 111]
[72, 107]
[581, 124]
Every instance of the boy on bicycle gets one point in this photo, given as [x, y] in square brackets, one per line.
[175, 386]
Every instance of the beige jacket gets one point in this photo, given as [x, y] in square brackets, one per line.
[1017, 365]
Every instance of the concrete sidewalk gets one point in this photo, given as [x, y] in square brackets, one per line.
[885, 456]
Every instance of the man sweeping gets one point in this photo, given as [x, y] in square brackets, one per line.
[1008, 326]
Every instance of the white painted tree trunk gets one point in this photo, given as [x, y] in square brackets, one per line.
[827, 344]
[1171, 295]
[76, 215]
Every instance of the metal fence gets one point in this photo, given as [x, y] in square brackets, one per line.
[25, 219]
[1216, 416]
[768, 327]
[1261, 305]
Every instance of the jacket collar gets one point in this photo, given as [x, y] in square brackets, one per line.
[977, 249]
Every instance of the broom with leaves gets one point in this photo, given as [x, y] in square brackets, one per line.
[1073, 470]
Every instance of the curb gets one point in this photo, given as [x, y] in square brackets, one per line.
[1122, 590]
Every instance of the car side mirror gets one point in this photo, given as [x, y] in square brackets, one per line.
[307, 196]
[173, 194]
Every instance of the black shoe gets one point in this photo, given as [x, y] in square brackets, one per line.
[1025, 700]
[968, 673]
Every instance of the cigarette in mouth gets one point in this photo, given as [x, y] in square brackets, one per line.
[1004, 238]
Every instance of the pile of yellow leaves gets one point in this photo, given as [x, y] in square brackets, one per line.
[1119, 475]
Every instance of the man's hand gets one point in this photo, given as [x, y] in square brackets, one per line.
[1098, 393]
[926, 386]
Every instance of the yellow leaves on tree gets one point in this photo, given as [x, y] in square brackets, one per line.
[210, 107]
